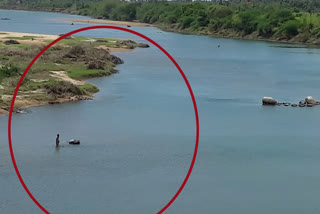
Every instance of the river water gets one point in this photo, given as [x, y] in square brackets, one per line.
[138, 135]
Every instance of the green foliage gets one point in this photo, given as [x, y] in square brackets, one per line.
[8, 71]
[281, 16]
[219, 12]
[185, 22]
[266, 18]
[290, 28]
[89, 88]
[248, 21]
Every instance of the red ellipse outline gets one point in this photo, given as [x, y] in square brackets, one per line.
[115, 28]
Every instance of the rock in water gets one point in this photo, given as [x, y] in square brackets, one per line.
[268, 101]
[143, 45]
[310, 100]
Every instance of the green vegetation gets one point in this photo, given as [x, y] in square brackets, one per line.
[53, 76]
[89, 88]
[85, 73]
[294, 20]
[7, 71]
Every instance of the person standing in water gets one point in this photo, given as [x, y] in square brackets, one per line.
[57, 141]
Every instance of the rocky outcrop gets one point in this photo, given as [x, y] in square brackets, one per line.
[268, 101]
[130, 44]
[307, 102]
[143, 45]
[310, 100]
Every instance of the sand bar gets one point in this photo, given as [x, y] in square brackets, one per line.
[41, 39]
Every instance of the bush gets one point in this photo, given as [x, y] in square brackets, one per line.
[248, 21]
[170, 19]
[221, 12]
[77, 50]
[265, 28]
[8, 71]
[96, 65]
[290, 28]
[185, 22]
[56, 87]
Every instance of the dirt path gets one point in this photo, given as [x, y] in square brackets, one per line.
[63, 76]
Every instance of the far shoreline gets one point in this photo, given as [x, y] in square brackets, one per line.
[166, 28]
[105, 21]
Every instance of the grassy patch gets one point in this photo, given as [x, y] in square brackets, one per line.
[31, 85]
[70, 42]
[89, 88]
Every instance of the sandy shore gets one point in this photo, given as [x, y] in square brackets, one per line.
[23, 104]
[108, 22]
[41, 39]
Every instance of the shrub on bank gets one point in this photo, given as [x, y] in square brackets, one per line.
[57, 87]
[290, 28]
[8, 71]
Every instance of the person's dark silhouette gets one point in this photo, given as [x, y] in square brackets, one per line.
[57, 141]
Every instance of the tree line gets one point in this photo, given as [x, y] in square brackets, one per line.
[282, 19]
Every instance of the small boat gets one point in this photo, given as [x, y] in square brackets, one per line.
[74, 142]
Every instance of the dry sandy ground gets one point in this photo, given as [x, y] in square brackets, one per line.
[39, 39]
[108, 22]
[63, 76]
[3, 112]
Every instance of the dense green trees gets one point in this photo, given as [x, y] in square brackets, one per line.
[264, 18]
